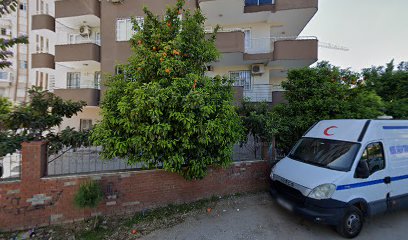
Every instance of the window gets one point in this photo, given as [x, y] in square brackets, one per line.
[97, 80]
[247, 39]
[241, 78]
[4, 75]
[23, 64]
[374, 155]
[98, 38]
[37, 43]
[3, 31]
[73, 80]
[85, 124]
[23, 6]
[118, 70]
[258, 2]
[124, 28]
[327, 153]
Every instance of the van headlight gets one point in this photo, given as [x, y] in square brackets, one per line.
[323, 191]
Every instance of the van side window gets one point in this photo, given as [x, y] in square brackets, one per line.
[374, 155]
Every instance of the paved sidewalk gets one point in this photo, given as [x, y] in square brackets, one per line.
[259, 217]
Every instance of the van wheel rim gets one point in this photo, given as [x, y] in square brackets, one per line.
[353, 223]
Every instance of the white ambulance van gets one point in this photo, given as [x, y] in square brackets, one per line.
[342, 171]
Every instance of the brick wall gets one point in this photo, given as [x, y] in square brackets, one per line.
[37, 200]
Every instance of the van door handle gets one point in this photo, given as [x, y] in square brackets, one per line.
[387, 180]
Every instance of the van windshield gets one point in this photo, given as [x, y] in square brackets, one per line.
[332, 154]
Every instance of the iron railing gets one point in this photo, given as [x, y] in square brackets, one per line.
[261, 92]
[10, 166]
[85, 160]
[77, 38]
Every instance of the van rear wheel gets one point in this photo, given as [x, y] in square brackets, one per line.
[351, 223]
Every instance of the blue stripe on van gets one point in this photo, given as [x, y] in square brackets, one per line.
[399, 178]
[394, 127]
[357, 185]
[369, 183]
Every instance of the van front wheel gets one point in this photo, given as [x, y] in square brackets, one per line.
[351, 223]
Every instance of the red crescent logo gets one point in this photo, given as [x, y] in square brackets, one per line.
[326, 131]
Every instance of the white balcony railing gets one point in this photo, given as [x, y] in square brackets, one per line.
[262, 92]
[78, 38]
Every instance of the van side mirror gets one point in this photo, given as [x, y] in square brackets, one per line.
[362, 170]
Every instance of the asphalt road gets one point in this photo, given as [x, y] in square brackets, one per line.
[259, 217]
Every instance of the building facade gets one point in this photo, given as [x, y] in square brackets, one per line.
[78, 42]
[14, 80]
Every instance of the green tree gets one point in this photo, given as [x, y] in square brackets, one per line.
[392, 85]
[318, 93]
[162, 110]
[36, 120]
[5, 106]
[257, 124]
[7, 7]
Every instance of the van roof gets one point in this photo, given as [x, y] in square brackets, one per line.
[356, 130]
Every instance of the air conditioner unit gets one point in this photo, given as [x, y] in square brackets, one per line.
[257, 69]
[85, 31]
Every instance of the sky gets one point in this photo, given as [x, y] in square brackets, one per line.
[375, 31]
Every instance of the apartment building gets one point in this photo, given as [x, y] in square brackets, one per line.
[79, 42]
[14, 80]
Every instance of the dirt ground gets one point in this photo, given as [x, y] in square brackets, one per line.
[248, 216]
[259, 217]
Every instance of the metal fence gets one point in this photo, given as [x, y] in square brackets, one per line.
[85, 160]
[261, 92]
[10, 166]
[250, 150]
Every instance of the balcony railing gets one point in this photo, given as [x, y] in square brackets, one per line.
[78, 39]
[261, 92]
[258, 2]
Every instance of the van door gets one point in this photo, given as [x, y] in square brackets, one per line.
[375, 188]
[397, 150]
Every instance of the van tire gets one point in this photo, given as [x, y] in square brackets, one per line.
[351, 223]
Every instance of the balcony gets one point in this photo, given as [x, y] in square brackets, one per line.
[5, 83]
[77, 51]
[230, 42]
[288, 51]
[235, 12]
[89, 95]
[73, 12]
[42, 60]
[301, 49]
[43, 21]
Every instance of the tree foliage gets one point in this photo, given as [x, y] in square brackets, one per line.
[256, 120]
[392, 85]
[36, 120]
[318, 93]
[7, 7]
[162, 110]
